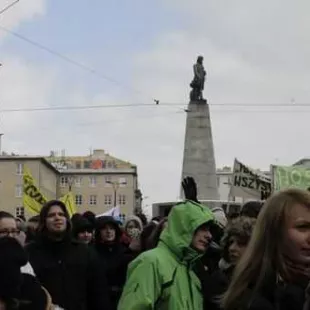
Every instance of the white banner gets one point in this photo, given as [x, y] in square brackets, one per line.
[248, 183]
[115, 212]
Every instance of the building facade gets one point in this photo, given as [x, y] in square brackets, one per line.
[99, 181]
[11, 181]
[224, 179]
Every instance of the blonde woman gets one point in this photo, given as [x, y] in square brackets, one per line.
[274, 271]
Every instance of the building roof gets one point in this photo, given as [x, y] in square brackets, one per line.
[132, 170]
[302, 161]
[223, 172]
[28, 158]
[97, 162]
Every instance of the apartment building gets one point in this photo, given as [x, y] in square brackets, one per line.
[98, 181]
[11, 181]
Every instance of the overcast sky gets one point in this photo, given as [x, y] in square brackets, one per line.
[256, 53]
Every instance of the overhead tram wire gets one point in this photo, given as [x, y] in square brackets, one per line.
[107, 78]
[76, 63]
[141, 105]
[8, 7]
[86, 107]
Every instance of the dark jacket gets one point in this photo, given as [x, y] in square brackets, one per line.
[115, 258]
[278, 297]
[272, 296]
[14, 285]
[68, 269]
[214, 285]
[70, 272]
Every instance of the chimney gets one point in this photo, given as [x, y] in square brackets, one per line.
[99, 153]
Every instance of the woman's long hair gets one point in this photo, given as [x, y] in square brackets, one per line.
[263, 257]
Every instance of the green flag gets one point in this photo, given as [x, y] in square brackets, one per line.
[291, 176]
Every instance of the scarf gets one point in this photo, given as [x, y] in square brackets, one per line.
[296, 272]
[299, 274]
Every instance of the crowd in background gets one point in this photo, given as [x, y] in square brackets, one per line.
[194, 258]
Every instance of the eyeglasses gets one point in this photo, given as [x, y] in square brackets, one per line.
[7, 233]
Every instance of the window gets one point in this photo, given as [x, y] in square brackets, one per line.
[20, 211]
[121, 199]
[78, 200]
[77, 181]
[18, 191]
[108, 181]
[108, 200]
[93, 200]
[92, 181]
[63, 181]
[122, 182]
[19, 169]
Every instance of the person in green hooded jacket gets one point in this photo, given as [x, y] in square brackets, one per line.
[163, 278]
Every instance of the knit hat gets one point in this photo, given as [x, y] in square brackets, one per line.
[91, 217]
[251, 209]
[220, 217]
[135, 219]
[240, 228]
[81, 224]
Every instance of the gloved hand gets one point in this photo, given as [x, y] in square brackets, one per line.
[190, 189]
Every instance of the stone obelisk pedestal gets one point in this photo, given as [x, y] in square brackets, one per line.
[198, 157]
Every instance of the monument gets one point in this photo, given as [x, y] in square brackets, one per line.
[198, 157]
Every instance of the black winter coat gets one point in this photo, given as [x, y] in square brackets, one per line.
[214, 285]
[70, 272]
[272, 296]
[115, 259]
[280, 297]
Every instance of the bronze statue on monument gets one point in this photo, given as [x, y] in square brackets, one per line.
[198, 82]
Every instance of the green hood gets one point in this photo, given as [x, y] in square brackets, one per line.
[183, 221]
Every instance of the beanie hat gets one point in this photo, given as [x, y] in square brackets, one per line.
[220, 216]
[251, 209]
[81, 224]
[135, 219]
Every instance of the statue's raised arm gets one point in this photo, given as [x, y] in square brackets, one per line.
[198, 82]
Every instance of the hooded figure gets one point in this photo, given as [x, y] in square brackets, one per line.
[163, 278]
[113, 256]
[68, 269]
[133, 225]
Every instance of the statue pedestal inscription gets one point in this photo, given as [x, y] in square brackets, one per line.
[198, 157]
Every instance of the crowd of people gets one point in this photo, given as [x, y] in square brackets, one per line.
[194, 258]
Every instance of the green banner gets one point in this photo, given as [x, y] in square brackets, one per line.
[292, 176]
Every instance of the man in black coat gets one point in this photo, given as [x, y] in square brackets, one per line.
[68, 269]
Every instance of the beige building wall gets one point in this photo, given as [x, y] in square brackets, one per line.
[97, 191]
[11, 182]
[93, 186]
